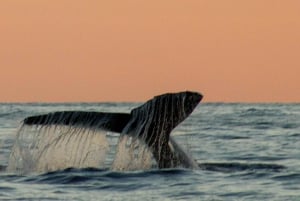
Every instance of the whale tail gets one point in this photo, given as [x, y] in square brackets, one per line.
[152, 122]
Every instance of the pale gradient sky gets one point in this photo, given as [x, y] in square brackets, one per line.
[131, 50]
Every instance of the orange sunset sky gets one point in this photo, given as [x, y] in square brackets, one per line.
[131, 50]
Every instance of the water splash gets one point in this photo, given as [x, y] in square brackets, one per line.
[52, 148]
[132, 154]
[49, 148]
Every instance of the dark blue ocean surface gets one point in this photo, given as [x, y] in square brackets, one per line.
[244, 151]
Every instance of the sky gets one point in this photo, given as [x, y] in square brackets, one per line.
[132, 50]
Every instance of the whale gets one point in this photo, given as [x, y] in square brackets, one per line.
[151, 122]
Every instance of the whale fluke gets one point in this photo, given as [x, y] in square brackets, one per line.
[151, 122]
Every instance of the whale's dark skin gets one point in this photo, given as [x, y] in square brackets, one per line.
[151, 122]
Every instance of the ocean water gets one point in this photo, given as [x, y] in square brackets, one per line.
[244, 151]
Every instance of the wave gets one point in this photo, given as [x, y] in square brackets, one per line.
[13, 113]
[234, 167]
[84, 175]
[262, 111]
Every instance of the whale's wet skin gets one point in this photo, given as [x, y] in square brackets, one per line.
[243, 151]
